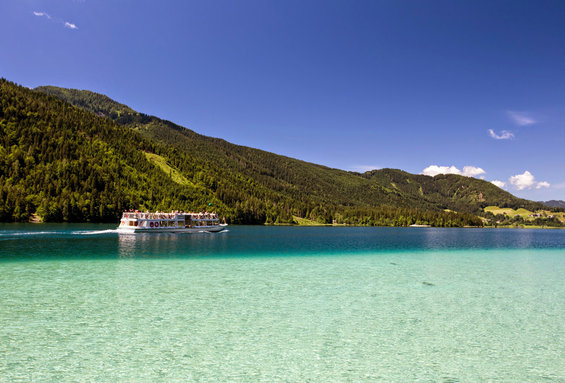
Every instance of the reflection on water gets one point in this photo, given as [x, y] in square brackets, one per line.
[83, 241]
[140, 244]
[472, 238]
[163, 245]
[525, 240]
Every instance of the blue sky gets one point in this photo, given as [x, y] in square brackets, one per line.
[471, 87]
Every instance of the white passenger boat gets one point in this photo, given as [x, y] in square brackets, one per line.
[135, 221]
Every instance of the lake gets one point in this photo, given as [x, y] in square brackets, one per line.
[267, 304]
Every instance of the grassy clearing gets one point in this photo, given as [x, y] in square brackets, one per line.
[523, 213]
[164, 166]
[499, 210]
[306, 222]
[309, 222]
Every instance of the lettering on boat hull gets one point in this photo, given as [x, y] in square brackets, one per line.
[182, 222]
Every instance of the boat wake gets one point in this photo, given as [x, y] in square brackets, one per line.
[214, 232]
[22, 233]
[94, 232]
[14, 234]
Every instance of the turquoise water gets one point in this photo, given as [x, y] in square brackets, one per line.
[82, 303]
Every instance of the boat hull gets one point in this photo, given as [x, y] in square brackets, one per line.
[200, 229]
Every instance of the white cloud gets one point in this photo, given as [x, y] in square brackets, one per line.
[504, 135]
[527, 180]
[66, 24]
[468, 171]
[498, 183]
[40, 14]
[522, 181]
[520, 118]
[434, 170]
[472, 171]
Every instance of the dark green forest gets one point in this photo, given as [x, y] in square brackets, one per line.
[78, 156]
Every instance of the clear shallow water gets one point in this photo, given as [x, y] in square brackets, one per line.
[82, 303]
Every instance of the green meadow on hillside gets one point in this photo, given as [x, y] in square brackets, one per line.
[523, 217]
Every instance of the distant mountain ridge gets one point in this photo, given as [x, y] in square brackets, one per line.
[555, 203]
[245, 185]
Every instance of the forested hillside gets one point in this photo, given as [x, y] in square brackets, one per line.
[66, 164]
[450, 191]
[71, 155]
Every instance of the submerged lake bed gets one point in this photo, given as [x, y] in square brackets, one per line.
[83, 303]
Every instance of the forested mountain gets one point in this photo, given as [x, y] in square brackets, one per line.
[450, 191]
[555, 203]
[67, 164]
[72, 155]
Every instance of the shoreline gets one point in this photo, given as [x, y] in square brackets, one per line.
[38, 222]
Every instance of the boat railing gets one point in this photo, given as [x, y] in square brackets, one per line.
[170, 216]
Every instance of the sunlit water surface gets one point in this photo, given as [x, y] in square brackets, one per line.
[267, 304]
